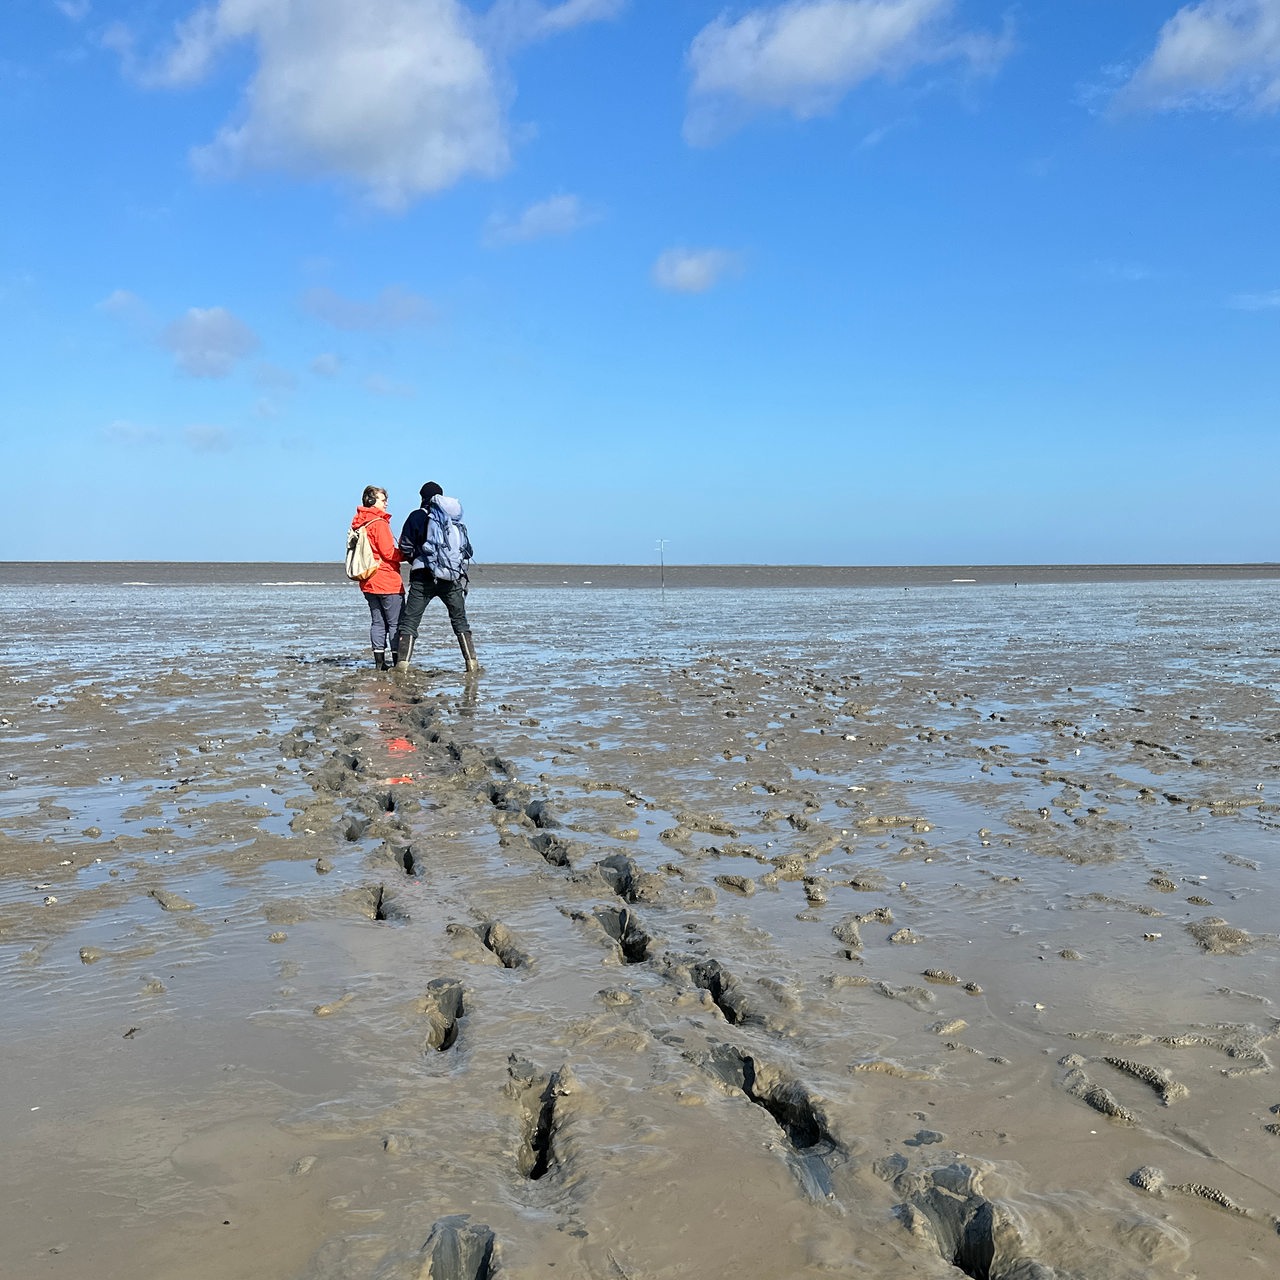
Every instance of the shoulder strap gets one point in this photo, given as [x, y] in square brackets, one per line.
[364, 528]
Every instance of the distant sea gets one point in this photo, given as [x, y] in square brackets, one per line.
[617, 576]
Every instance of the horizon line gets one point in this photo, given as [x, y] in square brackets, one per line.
[731, 564]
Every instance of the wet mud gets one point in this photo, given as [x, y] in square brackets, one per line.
[933, 955]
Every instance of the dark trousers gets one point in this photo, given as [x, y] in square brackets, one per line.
[424, 587]
[384, 619]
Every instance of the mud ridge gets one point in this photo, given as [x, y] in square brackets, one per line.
[1078, 1084]
[1162, 1082]
[626, 879]
[458, 1249]
[551, 848]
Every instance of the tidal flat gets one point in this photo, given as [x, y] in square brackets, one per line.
[778, 931]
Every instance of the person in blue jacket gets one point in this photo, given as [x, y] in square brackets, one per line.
[435, 544]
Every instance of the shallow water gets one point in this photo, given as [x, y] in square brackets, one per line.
[1165, 628]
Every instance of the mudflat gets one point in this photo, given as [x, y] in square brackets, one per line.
[732, 577]
[810, 934]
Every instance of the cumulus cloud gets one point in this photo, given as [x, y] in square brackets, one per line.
[326, 365]
[555, 216]
[803, 56]
[1219, 55]
[197, 41]
[1269, 301]
[207, 342]
[693, 270]
[394, 308]
[397, 96]
[403, 98]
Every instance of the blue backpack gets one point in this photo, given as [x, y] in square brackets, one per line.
[447, 549]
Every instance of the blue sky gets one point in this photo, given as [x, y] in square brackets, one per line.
[826, 281]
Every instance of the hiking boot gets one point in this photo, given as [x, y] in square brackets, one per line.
[468, 647]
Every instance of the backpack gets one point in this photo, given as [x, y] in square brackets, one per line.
[447, 549]
[362, 562]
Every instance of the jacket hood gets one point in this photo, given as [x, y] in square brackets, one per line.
[451, 507]
[364, 514]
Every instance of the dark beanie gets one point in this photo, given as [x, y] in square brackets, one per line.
[429, 491]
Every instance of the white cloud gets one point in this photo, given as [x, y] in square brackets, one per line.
[1219, 54]
[326, 365]
[803, 56]
[693, 270]
[555, 216]
[120, 301]
[206, 439]
[127, 308]
[1257, 301]
[876, 136]
[511, 23]
[75, 10]
[397, 96]
[197, 42]
[207, 342]
[394, 308]
[1124, 272]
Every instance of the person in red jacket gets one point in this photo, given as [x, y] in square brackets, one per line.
[384, 591]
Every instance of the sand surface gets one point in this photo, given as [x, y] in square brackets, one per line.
[858, 944]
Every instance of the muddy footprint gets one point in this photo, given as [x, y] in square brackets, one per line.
[442, 1006]
[796, 1111]
[975, 1235]
[538, 1096]
[497, 938]
[625, 929]
[725, 991]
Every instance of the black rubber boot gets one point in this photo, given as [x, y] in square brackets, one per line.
[405, 650]
[380, 659]
[468, 647]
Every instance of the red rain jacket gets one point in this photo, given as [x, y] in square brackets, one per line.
[386, 577]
